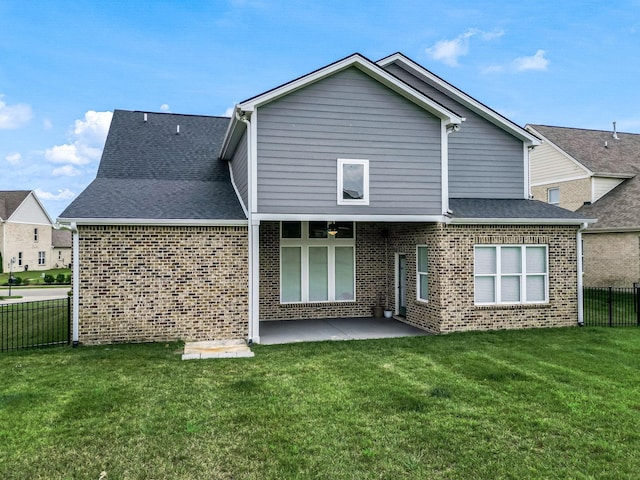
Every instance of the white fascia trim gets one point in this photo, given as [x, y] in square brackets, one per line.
[596, 230]
[561, 180]
[444, 166]
[621, 176]
[229, 135]
[169, 222]
[13, 222]
[520, 221]
[252, 160]
[463, 98]
[559, 150]
[527, 171]
[349, 218]
[235, 189]
[367, 67]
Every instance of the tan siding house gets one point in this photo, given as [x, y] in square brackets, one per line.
[610, 192]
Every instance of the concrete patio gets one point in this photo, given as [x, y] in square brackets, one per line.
[292, 331]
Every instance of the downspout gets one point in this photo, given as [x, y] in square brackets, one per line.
[75, 287]
[580, 270]
[253, 335]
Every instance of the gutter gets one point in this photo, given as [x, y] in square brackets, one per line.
[253, 237]
[580, 270]
[75, 287]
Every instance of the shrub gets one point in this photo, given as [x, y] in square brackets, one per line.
[17, 280]
[48, 279]
[67, 279]
[60, 278]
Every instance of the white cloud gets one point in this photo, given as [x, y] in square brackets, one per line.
[165, 108]
[13, 158]
[14, 116]
[87, 140]
[534, 62]
[229, 111]
[66, 171]
[448, 51]
[47, 124]
[65, 194]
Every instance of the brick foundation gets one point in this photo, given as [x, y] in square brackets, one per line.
[153, 283]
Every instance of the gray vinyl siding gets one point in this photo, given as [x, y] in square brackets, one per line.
[239, 169]
[484, 160]
[348, 115]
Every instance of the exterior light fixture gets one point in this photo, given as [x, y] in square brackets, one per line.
[333, 229]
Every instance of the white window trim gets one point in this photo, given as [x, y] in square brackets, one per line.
[523, 275]
[557, 189]
[330, 242]
[365, 180]
[36, 237]
[42, 259]
[419, 273]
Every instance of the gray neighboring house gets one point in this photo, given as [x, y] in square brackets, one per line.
[361, 182]
[595, 173]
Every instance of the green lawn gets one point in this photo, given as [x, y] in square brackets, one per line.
[556, 403]
[34, 276]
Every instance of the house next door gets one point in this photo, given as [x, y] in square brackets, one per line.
[402, 285]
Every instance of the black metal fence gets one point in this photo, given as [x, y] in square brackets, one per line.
[612, 307]
[35, 324]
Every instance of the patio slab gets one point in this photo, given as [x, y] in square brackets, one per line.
[292, 331]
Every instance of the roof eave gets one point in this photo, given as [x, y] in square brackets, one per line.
[171, 222]
[470, 102]
[521, 221]
[369, 68]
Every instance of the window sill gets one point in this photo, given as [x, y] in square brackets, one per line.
[512, 306]
[323, 303]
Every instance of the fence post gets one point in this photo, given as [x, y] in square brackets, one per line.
[611, 306]
[636, 291]
[69, 332]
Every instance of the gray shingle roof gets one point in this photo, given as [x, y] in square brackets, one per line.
[149, 171]
[588, 147]
[510, 209]
[61, 238]
[620, 208]
[10, 200]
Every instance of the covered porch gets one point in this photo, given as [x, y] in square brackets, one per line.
[317, 330]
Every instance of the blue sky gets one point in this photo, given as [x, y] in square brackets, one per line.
[66, 65]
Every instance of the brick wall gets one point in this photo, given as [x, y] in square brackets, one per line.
[370, 280]
[153, 283]
[451, 282]
[573, 194]
[611, 259]
[455, 268]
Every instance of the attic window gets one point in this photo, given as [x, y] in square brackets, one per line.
[553, 196]
[353, 182]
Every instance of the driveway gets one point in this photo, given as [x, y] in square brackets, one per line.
[33, 294]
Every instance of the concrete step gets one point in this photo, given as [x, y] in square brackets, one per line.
[216, 349]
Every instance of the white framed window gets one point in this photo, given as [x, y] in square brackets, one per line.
[35, 234]
[353, 182]
[553, 196]
[511, 274]
[422, 275]
[316, 266]
[41, 258]
[19, 259]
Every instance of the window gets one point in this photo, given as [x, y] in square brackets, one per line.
[508, 274]
[353, 182]
[35, 234]
[41, 258]
[553, 196]
[19, 259]
[422, 280]
[316, 266]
